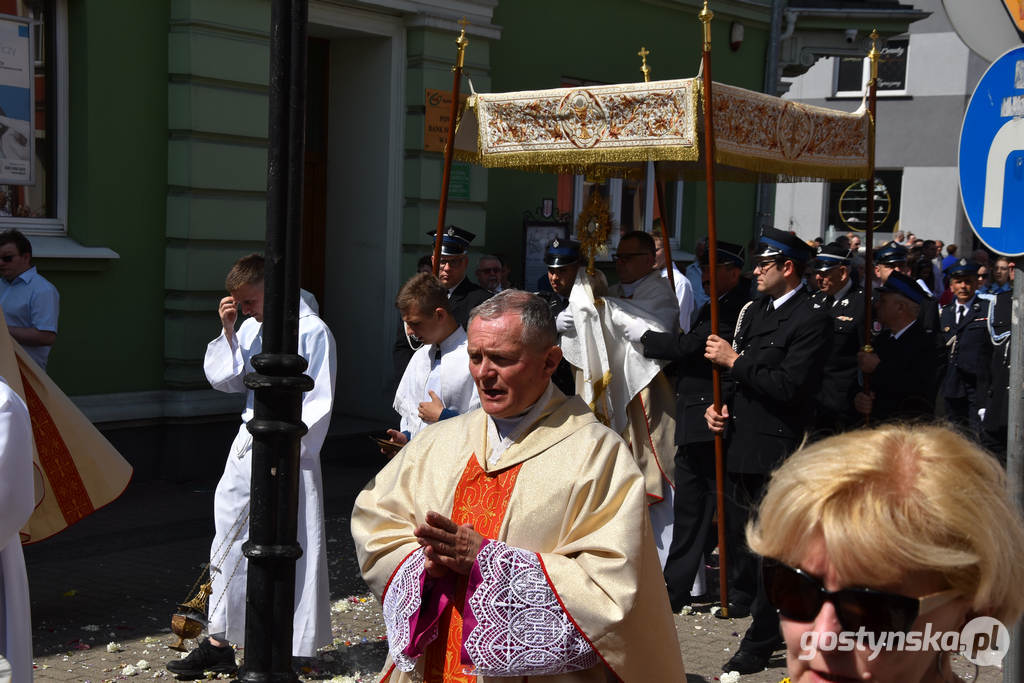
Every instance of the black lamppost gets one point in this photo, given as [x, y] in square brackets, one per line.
[278, 382]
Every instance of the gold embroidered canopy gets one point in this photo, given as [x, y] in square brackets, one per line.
[613, 130]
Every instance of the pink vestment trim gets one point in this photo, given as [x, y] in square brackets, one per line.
[412, 608]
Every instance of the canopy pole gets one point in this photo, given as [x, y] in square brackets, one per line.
[666, 246]
[706, 15]
[449, 148]
[870, 222]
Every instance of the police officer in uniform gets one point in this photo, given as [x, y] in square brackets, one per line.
[463, 294]
[694, 502]
[844, 302]
[562, 257]
[905, 365]
[775, 363]
[994, 385]
[964, 324]
[892, 257]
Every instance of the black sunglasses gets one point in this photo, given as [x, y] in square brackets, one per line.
[799, 596]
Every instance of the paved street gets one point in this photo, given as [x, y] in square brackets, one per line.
[104, 590]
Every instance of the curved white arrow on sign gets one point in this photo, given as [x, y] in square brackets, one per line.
[1008, 140]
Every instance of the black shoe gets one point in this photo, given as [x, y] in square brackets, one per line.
[746, 662]
[206, 657]
[736, 611]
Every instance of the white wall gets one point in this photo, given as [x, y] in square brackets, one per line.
[801, 207]
[930, 202]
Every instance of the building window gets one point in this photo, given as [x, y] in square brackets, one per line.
[852, 73]
[848, 207]
[39, 206]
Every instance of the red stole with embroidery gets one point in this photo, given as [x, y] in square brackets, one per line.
[481, 499]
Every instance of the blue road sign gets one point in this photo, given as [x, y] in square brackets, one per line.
[991, 159]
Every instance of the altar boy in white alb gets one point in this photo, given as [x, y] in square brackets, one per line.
[436, 384]
[228, 360]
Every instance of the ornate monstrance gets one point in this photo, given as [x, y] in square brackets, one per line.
[592, 228]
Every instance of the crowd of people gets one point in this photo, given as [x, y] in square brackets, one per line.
[549, 498]
[491, 535]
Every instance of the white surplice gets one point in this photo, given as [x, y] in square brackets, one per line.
[684, 295]
[625, 387]
[451, 382]
[654, 295]
[226, 364]
[17, 501]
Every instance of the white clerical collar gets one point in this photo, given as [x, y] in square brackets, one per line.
[503, 432]
[896, 335]
[777, 303]
[628, 289]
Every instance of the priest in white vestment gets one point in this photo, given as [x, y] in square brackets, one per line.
[436, 384]
[228, 359]
[513, 541]
[17, 501]
[626, 390]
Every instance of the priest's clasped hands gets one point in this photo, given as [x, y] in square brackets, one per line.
[447, 545]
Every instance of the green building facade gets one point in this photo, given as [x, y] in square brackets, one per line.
[162, 109]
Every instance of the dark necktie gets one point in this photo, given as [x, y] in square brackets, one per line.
[960, 310]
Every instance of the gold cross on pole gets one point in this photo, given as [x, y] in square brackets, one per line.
[646, 70]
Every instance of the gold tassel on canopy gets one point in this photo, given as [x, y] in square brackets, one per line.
[75, 469]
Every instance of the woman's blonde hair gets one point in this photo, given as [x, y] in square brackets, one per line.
[898, 499]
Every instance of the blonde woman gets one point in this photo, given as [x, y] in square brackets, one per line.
[876, 540]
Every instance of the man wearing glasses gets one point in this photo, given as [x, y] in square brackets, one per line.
[775, 363]
[30, 303]
[488, 273]
[463, 295]
[641, 282]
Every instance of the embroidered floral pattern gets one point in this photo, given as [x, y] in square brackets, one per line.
[401, 603]
[759, 126]
[584, 118]
[521, 630]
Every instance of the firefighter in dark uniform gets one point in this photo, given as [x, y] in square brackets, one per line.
[994, 385]
[775, 364]
[694, 502]
[463, 294]
[964, 324]
[844, 302]
[892, 257]
[562, 257]
[905, 365]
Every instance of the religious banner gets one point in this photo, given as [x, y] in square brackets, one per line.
[613, 130]
[16, 97]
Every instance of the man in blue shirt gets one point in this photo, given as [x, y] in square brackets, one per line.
[30, 303]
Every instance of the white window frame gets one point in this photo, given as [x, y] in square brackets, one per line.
[56, 226]
[865, 75]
